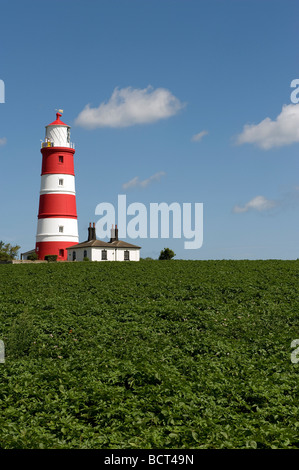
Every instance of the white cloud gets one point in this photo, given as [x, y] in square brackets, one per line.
[258, 203]
[3, 141]
[135, 182]
[129, 106]
[132, 183]
[199, 136]
[284, 130]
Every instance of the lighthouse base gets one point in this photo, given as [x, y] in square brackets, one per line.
[43, 249]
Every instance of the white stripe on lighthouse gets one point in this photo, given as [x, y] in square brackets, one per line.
[57, 229]
[57, 183]
[58, 135]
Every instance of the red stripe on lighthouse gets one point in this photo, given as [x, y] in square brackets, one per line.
[58, 160]
[57, 205]
[53, 248]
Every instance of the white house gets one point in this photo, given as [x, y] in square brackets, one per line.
[96, 250]
[24, 256]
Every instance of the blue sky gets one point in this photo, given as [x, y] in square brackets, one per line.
[138, 80]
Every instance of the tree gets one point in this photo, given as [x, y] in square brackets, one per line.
[167, 253]
[8, 252]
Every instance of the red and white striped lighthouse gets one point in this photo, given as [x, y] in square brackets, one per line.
[57, 226]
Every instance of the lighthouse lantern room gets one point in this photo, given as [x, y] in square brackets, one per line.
[57, 226]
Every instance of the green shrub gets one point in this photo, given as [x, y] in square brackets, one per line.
[51, 258]
[32, 257]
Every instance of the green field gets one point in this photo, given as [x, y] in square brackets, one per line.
[155, 354]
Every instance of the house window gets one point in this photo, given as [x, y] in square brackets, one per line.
[104, 255]
[126, 255]
[61, 228]
[85, 254]
[74, 256]
[60, 182]
[61, 253]
[60, 158]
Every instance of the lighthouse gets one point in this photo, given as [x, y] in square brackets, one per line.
[57, 226]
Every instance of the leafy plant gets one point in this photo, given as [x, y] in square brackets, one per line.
[189, 354]
[21, 335]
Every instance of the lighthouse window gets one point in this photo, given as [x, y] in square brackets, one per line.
[104, 255]
[68, 135]
[61, 253]
[61, 182]
[61, 228]
[60, 158]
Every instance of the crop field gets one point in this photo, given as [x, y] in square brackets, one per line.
[149, 355]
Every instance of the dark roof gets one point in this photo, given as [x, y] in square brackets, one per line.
[100, 244]
[27, 252]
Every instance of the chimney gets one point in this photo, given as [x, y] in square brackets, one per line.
[91, 232]
[114, 234]
[94, 237]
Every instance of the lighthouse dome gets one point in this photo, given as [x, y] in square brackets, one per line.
[57, 134]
